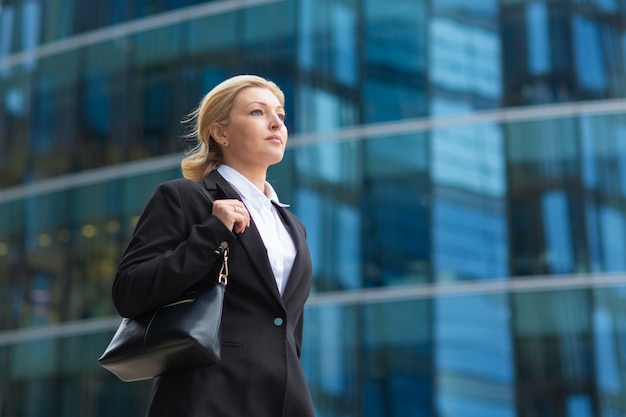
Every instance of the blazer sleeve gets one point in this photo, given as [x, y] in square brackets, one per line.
[168, 252]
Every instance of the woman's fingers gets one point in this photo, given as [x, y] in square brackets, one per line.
[232, 213]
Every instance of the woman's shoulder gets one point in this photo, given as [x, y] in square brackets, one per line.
[181, 189]
[181, 195]
[187, 184]
[178, 184]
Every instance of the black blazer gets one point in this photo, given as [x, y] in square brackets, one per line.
[171, 251]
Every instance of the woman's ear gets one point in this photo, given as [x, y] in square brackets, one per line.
[217, 133]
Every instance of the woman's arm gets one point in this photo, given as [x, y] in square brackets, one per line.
[167, 253]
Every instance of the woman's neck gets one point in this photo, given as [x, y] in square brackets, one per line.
[257, 176]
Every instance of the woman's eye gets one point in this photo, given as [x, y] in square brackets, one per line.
[282, 116]
[257, 112]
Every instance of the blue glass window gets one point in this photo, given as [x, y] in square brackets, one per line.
[556, 226]
[590, 63]
[537, 27]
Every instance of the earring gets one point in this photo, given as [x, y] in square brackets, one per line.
[225, 143]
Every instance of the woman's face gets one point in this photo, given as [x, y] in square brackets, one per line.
[256, 134]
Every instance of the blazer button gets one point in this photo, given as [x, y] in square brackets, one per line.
[278, 322]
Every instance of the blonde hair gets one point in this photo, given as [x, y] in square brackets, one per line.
[216, 106]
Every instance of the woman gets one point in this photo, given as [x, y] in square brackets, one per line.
[240, 128]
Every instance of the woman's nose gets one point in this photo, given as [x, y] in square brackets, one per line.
[276, 121]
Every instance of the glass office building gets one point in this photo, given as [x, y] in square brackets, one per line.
[460, 167]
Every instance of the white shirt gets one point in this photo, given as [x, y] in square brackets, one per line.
[281, 251]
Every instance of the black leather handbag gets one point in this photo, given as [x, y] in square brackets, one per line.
[178, 336]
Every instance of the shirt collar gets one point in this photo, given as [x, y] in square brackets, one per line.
[247, 190]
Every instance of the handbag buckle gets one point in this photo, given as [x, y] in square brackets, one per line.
[223, 276]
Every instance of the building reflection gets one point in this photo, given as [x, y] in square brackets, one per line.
[460, 168]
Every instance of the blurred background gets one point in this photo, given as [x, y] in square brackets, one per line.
[460, 167]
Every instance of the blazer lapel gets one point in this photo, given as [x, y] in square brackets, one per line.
[301, 252]
[250, 239]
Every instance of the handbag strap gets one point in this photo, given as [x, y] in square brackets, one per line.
[223, 246]
[205, 192]
[222, 278]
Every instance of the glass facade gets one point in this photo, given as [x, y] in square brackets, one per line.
[460, 168]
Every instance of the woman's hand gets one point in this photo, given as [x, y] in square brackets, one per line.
[232, 213]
